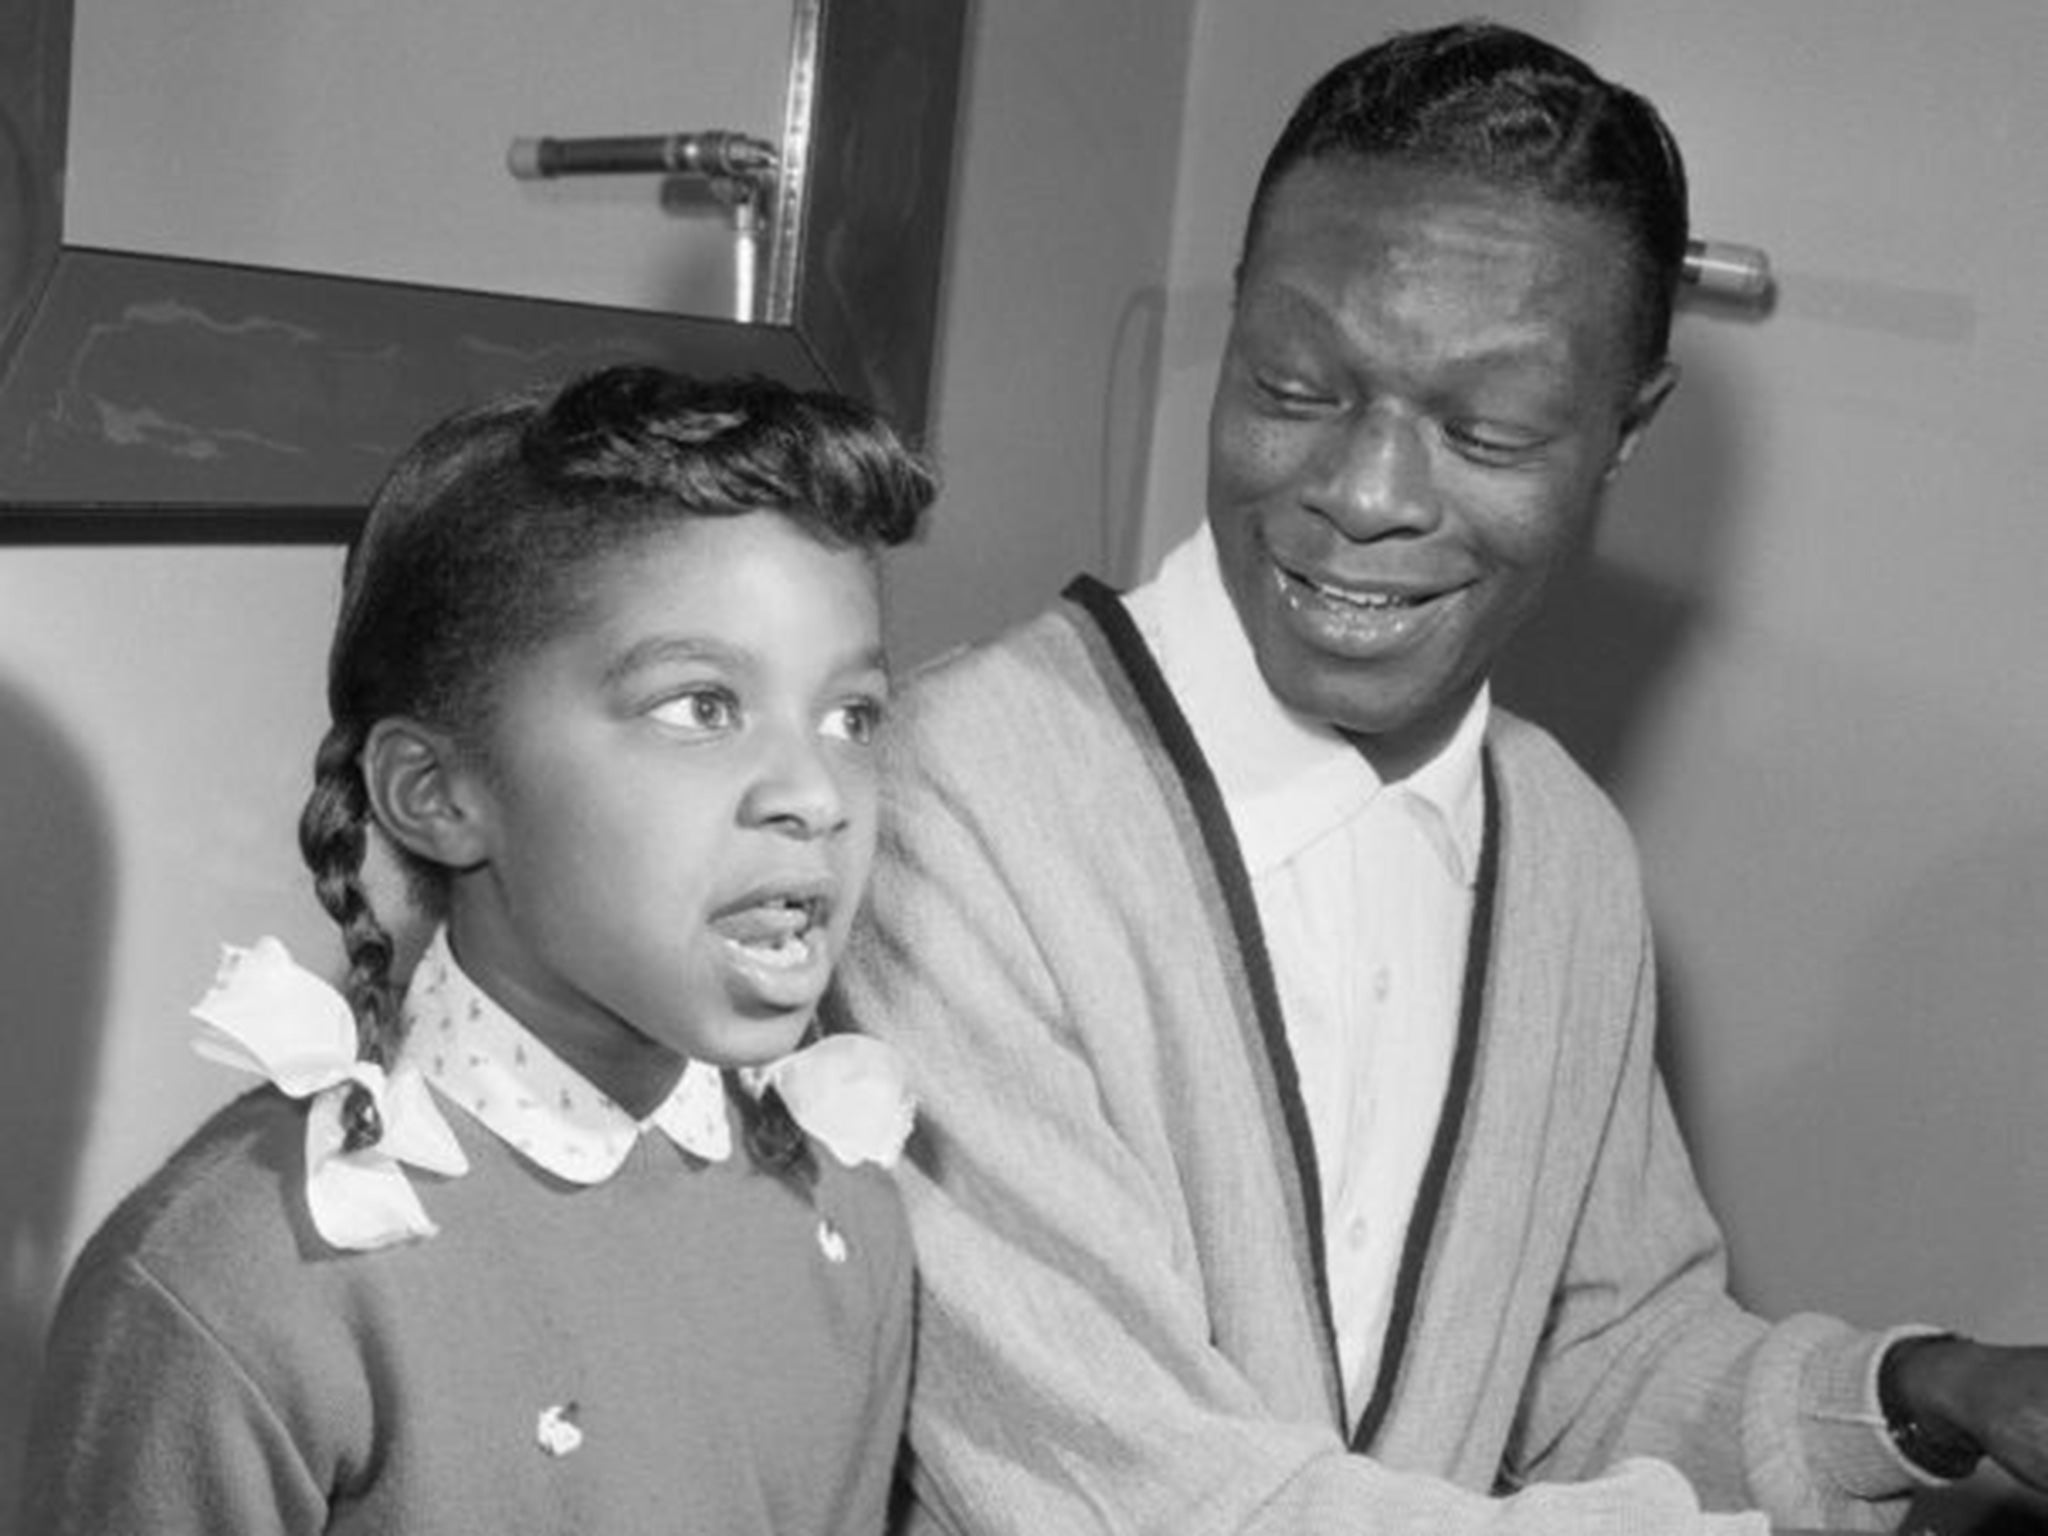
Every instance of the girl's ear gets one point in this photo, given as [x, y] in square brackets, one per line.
[422, 795]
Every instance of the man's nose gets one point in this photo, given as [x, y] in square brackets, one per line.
[1374, 475]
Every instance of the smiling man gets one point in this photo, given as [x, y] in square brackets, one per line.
[1427, 381]
[1294, 1156]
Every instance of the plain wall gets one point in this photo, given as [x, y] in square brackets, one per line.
[159, 706]
[158, 710]
[1809, 660]
[1053, 311]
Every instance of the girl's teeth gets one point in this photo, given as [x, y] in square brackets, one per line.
[792, 950]
[767, 928]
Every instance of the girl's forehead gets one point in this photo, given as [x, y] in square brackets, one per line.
[764, 579]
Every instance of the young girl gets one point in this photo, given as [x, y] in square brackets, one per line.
[540, 1243]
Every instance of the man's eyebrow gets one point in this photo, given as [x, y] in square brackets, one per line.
[1514, 345]
[1506, 342]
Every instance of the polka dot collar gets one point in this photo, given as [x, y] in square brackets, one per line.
[484, 1061]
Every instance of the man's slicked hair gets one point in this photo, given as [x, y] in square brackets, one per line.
[1512, 111]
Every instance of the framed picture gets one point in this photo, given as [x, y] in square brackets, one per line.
[152, 396]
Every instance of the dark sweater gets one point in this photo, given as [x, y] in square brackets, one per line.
[216, 1367]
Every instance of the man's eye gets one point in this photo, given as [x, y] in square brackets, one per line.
[1486, 442]
[1293, 394]
[701, 709]
[855, 721]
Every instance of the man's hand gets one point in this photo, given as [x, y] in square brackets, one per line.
[1996, 1396]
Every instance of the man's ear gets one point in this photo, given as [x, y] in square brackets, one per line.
[424, 796]
[1642, 408]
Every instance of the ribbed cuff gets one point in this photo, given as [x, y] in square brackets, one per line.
[1849, 1444]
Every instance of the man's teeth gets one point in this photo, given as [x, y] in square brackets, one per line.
[1364, 599]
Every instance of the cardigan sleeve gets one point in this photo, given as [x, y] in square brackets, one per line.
[1067, 1378]
[145, 1424]
[1646, 1353]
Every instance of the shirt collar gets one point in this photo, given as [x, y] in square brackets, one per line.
[1287, 779]
[481, 1058]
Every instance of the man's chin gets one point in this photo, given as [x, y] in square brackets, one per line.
[1394, 732]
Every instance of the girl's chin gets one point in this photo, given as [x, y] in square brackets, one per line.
[741, 1041]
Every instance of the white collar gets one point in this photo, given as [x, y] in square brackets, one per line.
[1287, 779]
[482, 1059]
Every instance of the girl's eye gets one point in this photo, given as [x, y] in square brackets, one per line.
[855, 721]
[705, 710]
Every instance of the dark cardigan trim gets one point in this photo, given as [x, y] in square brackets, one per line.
[1105, 607]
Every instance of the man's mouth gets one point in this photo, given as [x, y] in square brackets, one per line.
[1372, 601]
[1364, 621]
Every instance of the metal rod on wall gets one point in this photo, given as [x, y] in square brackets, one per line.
[737, 168]
[715, 153]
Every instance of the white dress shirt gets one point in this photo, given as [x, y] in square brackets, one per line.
[1364, 890]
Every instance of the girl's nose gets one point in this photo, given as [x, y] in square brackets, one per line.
[798, 789]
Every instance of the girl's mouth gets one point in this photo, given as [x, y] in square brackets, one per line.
[780, 932]
[778, 951]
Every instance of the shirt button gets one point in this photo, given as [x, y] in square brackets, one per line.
[1382, 984]
[1355, 1232]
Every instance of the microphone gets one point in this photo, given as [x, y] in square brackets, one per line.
[718, 152]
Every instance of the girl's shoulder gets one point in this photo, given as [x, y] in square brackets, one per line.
[218, 1245]
[225, 1207]
[207, 1293]
[869, 1190]
[865, 1204]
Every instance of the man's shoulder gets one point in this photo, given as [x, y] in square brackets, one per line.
[1045, 668]
[1029, 642]
[1520, 744]
[1544, 788]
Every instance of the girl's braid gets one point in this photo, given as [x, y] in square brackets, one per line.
[332, 839]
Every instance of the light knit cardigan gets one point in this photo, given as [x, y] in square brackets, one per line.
[1124, 1324]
